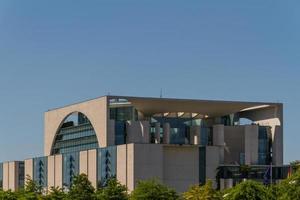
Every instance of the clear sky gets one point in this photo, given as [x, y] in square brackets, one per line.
[55, 52]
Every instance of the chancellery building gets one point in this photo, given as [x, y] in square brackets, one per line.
[180, 142]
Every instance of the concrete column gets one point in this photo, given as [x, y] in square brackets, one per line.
[218, 140]
[83, 162]
[6, 176]
[58, 171]
[12, 175]
[166, 136]
[145, 130]
[92, 167]
[195, 135]
[134, 132]
[218, 135]
[212, 163]
[122, 164]
[157, 133]
[28, 164]
[278, 146]
[251, 144]
[222, 184]
[111, 132]
[51, 171]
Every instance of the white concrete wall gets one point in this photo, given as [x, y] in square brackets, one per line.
[28, 164]
[212, 163]
[218, 135]
[11, 175]
[180, 166]
[6, 176]
[166, 134]
[96, 111]
[234, 144]
[148, 162]
[92, 167]
[251, 144]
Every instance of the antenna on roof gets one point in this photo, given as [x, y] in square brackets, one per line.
[161, 95]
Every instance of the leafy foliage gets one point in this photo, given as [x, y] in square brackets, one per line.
[112, 191]
[81, 188]
[205, 192]
[56, 193]
[289, 189]
[248, 190]
[152, 189]
[295, 165]
[8, 195]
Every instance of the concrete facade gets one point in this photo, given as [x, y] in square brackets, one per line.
[96, 110]
[11, 175]
[177, 141]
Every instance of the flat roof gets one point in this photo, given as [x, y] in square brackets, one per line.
[152, 105]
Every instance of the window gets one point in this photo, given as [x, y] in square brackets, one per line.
[40, 169]
[70, 167]
[264, 145]
[21, 174]
[106, 164]
[75, 134]
[120, 132]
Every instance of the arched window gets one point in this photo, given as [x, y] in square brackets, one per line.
[75, 134]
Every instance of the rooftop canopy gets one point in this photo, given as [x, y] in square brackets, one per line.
[211, 108]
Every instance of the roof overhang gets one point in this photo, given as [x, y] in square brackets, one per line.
[150, 106]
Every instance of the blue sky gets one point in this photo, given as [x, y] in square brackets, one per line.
[54, 53]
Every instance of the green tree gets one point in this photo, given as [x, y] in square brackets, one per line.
[8, 195]
[81, 188]
[205, 192]
[31, 186]
[295, 165]
[32, 190]
[152, 189]
[289, 189]
[248, 190]
[55, 193]
[114, 190]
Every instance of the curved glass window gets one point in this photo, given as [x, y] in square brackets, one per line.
[76, 134]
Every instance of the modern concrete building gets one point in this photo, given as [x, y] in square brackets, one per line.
[182, 142]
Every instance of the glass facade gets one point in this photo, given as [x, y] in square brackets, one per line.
[153, 132]
[242, 158]
[1, 175]
[264, 143]
[70, 167]
[206, 136]
[106, 164]
[237, 173]
[21, 174]
[120, 132]
[40, 171]
[179, 128]
[76, 134]
[123, 113]
[202, 165]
